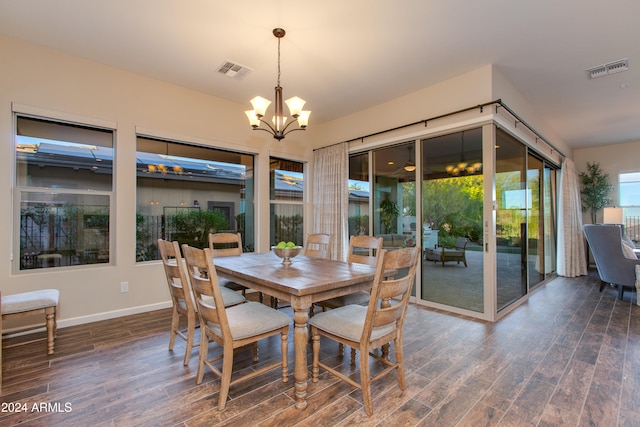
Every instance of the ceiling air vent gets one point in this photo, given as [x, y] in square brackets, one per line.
[234, 70]
[610, 68]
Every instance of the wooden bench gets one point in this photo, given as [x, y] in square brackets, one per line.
[34, 302]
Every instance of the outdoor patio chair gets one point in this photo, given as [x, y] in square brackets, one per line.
[448, 253]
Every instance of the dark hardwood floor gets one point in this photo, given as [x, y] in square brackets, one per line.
[569, 356]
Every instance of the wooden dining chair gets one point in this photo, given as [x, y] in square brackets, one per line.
[230, 327]
[318, 245]
[182, 297]
[362, 250]
[228, 244]
[371, 327]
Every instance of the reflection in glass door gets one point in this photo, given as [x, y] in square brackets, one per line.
[394, 195]
[511, 219]
[549, 215]
[535, 222]
[452, 215]
[359, 194]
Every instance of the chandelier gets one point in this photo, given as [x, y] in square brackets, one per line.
[410, 166]
[278, 127]
[462, 167]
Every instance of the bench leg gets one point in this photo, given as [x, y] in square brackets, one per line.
[50, 313]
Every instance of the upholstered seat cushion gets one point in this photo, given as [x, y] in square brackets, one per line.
[27, 301]
[359, 298]
[347, 322]
[231, 297]
[447, 252]
[228, 296]
[250, 319]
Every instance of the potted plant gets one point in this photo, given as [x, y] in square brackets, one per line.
[388, 214]
[595, 189]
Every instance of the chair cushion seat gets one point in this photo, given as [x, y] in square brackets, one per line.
[359, 298]
[228, 296]
[250, 319]
[347, 322]
[231, 297]
[27, 301]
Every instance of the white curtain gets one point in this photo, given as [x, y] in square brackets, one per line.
[331, 198]
[572, 258]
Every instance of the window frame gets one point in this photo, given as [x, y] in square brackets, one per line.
[19, 189]
[188, 157]
[274, 201]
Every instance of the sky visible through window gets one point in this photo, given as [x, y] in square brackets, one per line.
[630, 189]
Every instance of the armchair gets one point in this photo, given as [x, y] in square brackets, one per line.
[448, 253]
[605, 242]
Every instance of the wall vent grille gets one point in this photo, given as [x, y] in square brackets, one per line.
[610, 68]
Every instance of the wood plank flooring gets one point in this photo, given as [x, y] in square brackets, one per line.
[569, 356]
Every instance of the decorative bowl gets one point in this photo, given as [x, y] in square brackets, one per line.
[286, 253]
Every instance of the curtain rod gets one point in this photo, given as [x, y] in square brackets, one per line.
[464, 110]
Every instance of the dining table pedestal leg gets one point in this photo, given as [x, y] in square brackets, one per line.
[300, 341]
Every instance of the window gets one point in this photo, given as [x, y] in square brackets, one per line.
[64, 184]
[359, 195]
[629, 189]
[287, 196]
[185, 192]
[629, 184]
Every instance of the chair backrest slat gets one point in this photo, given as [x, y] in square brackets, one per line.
[225, 244]
[206, 289]
[175, 272]
[390, 296]
[364, 249]
[318, 245]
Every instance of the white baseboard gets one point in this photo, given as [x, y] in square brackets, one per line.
[64, 323]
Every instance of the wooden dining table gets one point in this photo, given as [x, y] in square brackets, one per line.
[305, 281]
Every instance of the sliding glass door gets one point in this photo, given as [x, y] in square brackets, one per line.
[525, 219]
[511, 219]
[444, 211]
[452, 203]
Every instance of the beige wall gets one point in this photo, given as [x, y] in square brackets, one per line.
[613, 159]
[451, 95]
[64, 86]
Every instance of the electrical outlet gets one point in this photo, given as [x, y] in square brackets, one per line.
[124, 287]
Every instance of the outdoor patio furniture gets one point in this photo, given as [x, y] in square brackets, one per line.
[448, 253]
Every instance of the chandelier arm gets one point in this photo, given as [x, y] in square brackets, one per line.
[273, 130]
[265, 130]
[289, 124]
[291, 130]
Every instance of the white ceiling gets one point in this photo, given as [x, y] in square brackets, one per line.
[346, 55]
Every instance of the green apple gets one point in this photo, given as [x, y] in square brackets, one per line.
[291, 245]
